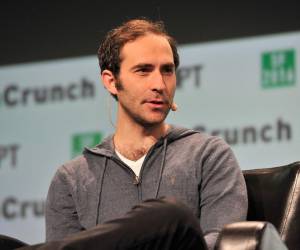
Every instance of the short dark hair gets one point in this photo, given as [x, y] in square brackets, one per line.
[109, 50]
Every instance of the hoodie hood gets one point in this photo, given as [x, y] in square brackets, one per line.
[106, 147]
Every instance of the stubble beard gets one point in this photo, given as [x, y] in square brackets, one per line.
[135, 116]
[143, 121]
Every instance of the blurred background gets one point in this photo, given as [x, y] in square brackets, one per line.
[238, 79]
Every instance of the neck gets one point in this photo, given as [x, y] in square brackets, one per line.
[134, 140]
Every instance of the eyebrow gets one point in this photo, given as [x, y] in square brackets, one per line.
[168, 65]
[149, 65]
[142, 65]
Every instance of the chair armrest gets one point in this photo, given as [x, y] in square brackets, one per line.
[250, 235]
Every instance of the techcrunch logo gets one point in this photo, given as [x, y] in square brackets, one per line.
[14, 208]
[278, 68]
[266, 133]
[14, 94]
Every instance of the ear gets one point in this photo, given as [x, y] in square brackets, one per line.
[109, 81]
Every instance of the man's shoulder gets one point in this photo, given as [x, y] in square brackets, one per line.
[91, 161]
[73, 166]
[208, 140]
[81, 169]
[197, 137]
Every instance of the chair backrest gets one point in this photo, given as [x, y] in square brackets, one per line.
[274, 196]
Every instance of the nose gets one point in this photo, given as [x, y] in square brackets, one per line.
[158, 82]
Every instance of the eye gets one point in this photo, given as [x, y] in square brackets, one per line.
[143, 70]
[168, 69]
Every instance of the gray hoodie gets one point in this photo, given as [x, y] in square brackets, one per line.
[198, 169]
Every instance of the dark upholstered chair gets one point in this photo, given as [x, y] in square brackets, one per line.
[274, 197]
[8, 243]
[250, 235]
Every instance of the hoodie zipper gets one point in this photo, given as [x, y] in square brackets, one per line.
[136, 179]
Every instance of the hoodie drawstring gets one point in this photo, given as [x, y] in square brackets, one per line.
[162, 166]
[101, 187]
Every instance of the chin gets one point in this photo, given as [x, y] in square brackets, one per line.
[151, 122]
[149, 119]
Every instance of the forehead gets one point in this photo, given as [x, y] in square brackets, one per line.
[149, 48]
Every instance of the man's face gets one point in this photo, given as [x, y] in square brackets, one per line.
[148, 80]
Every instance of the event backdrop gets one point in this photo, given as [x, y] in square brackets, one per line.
[246, 91]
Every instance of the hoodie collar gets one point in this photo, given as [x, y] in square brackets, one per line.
[107, 148]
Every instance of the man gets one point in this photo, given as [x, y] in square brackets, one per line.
[145, 158]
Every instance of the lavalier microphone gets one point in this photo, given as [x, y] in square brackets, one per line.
[174, 106]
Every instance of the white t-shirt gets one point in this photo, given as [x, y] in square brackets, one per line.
[134, 165]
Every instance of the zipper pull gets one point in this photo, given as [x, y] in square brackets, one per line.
[136, 180]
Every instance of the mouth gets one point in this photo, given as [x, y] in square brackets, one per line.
[156, 103]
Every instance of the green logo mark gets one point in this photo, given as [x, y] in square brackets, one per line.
[79, 141]
[278, 68]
